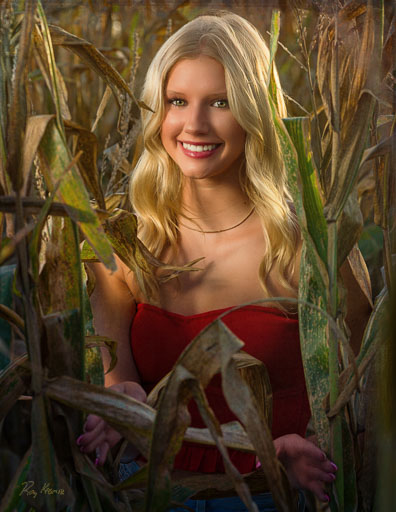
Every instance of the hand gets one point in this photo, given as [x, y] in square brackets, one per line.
[98, 435]
[306, 465]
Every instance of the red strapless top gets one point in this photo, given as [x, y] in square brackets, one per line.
[158, 337]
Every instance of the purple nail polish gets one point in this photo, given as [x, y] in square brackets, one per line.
[78, 441]
[334, 466]
[96, 461]
[327, 497]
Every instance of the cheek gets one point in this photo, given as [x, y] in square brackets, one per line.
[170, 126]
[236, 133]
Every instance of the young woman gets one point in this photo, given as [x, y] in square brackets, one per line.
[211, 183]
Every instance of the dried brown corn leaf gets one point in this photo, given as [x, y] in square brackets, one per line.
[133, 419]
[212, 348]
[43, 63]
[16, 117]
[14, 381]
[253, 373]
[95, 60]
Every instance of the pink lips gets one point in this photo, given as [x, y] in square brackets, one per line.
[200, 154]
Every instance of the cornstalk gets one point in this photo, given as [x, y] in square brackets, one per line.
[31, 325]
[335, 426]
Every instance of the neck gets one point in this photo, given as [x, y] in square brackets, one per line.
[213, 204]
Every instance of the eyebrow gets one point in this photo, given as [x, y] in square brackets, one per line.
[169, 92]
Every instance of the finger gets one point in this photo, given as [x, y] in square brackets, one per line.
[91, 422]
[136, 391]
[95, 443]
[319, 490]
[101, 454]
[312, 451]
[88, 437]
[319, 475]
[329, 466]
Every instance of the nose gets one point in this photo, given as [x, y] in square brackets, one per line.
[197, 121]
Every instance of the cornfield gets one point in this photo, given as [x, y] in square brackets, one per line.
[70, 136]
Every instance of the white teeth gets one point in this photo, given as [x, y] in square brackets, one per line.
[199, 149]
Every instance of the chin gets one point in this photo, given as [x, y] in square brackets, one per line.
[198, 175]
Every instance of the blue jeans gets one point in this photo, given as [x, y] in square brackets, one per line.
[263, 501]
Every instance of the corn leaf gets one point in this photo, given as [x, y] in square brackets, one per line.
[199, 362]
[298, 129]
[121, 230]
[131, 418]
[218, 485]
[12, 499]
[17, 108]
[44, 468]
[95, 60]
[47, 68]
[64, 346]
[246, 407]
[54, 157]
[213, 425]
[14, 381]
[374, 336]
[88, 144]
[312, 290]
[102, 341]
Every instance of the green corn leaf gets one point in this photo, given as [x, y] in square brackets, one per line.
[55, 158]
[312, 289]
[314, 348]
[298, 129]
[6, 279]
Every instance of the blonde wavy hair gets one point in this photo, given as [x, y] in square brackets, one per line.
[156, 183]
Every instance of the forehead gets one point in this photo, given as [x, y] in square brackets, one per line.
[198, 73]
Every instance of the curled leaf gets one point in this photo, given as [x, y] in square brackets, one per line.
[103, 341]
[95, 60]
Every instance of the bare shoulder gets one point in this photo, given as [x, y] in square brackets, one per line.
[122, 277]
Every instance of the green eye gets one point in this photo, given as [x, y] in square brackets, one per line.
[221, 103]
[177, 102]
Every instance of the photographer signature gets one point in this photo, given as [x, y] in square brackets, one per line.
[29, 489]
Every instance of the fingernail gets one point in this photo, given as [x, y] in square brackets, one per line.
[333, 477]
[334, 466]
[78, 441]
[96, 461]
[327, 497]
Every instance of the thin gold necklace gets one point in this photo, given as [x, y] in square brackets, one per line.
[220, 230]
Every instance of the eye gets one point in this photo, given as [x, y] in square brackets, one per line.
[177, 102]
[220, 103]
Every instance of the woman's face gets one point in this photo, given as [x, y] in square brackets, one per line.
[199, 131]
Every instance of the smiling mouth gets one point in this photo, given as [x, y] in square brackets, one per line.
[199, 148]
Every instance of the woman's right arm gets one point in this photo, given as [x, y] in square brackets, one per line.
[113, 307]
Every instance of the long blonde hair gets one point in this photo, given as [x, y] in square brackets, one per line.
[156, 182]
